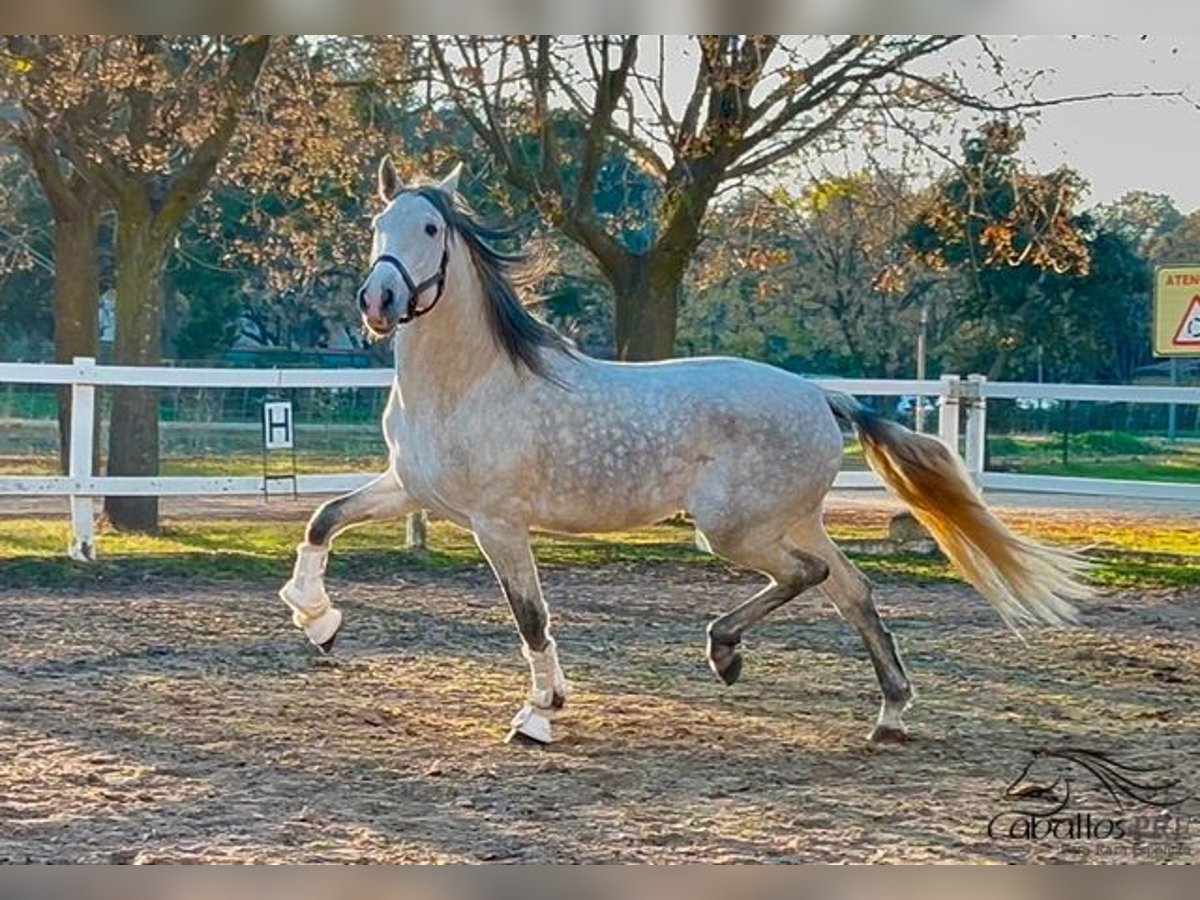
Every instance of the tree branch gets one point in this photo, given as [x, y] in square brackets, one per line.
[35, 143]
[981, 104]
[489, 131]
[610, 86]
[537, 72]
[810, 74]
[752, 164]
[238, 83]
[821, 92]
[626, 137]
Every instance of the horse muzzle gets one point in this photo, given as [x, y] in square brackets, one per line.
[379, 328]
[379, 309]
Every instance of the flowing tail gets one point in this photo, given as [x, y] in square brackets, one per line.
[1026, 582]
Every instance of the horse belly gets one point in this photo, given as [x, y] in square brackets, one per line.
[612, 515]
[603, 518]
[609, 488]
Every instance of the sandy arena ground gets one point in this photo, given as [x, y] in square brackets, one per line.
[183, 722]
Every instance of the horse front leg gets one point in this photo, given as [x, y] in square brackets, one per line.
[381, 498]
[507, 550]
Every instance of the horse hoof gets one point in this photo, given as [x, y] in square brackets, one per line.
[322, 631]
[521, 739]
[889, 734]
[732, 669]
[326, 646]
[725, 660]
[530, 727]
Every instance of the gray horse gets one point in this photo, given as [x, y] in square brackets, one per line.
[497, 423]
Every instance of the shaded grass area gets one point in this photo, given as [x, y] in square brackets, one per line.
[1182, 470]
[31, 552]
[1097, 454]
[223, 465]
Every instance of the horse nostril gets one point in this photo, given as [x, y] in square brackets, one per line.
[388, 299]
[362, 300]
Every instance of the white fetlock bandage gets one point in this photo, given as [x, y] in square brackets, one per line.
[305, 594]
[532, 723]
[546, 674]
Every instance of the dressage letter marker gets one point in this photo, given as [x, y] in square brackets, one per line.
[278, 434]
[1177, 311]
[277, 425]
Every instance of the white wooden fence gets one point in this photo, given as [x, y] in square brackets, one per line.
[955, 395]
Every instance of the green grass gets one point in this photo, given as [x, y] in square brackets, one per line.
[1115, 443]
[1144, 570]
[1097, 454]
[1180, 470]
[225, 464]
[1094, 454]
[31, 553]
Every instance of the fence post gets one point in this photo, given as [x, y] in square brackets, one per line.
[976, 449]
[948, 411]
[79, 466]
[415, 528]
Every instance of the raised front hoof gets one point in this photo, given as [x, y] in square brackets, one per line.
[530, 727]
[725, 660]
[326, 646]
[888, 734]
[323, 631]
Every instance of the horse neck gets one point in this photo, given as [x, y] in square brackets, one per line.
[442, 354]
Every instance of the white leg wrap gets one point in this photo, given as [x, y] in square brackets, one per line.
[534, 718]
[546, 674]
[305, 594]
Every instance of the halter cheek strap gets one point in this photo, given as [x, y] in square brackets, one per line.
[415, 290]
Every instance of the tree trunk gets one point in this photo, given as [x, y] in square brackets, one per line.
[76, 295]
[133, 428]
[996, 369]
[647, 307]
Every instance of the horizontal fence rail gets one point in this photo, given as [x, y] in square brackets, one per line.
[1093, 393]
[955, 395]
[84, 372]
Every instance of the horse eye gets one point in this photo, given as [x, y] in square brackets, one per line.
[431, 229]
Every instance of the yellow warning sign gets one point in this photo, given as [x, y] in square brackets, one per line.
[1177, 311]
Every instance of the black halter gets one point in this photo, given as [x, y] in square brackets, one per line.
[415, 290]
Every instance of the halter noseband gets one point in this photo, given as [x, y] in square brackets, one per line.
[415, 290]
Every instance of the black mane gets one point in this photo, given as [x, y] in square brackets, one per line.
[518, 332]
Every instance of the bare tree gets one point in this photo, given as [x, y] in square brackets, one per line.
[751, 102]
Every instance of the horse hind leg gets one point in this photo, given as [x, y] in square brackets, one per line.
[791, 571]
[850, 592]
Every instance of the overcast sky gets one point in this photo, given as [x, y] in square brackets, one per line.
[1118, 145]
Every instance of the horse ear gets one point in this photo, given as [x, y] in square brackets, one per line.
[450, 183]
[389, 181]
